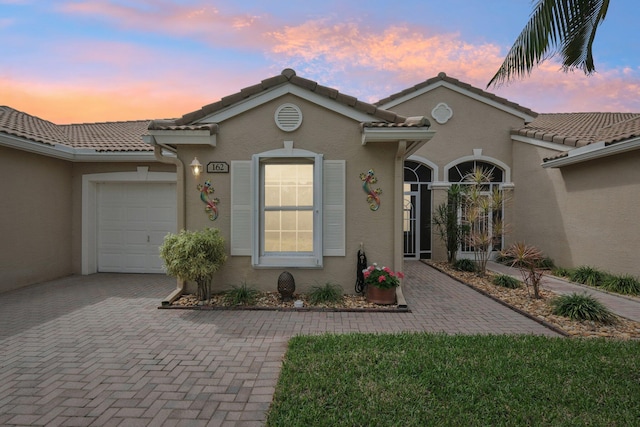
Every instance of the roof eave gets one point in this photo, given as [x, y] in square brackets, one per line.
[594, 151]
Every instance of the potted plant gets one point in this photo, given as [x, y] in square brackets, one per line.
[381, 284]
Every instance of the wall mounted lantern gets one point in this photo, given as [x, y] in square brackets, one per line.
[196, 167]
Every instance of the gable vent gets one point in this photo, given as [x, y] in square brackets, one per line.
[288, 117]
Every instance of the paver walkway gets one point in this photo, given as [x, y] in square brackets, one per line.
[625, 306]
[95, 350]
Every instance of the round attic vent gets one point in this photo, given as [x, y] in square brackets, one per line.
[288, 117]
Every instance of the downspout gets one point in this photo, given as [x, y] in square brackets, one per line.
[398, 237]
[180, 191]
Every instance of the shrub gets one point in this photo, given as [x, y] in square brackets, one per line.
[465, 265]
[195, 256]
[241, 295]
[506, 281]
[587, 275]
[329, 292]
[582, 307]
[546, 263]
[626, 284]
[561, 272]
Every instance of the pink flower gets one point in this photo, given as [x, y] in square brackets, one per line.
[400, 274]
[387, 269]
[366, 273]
[382, 278]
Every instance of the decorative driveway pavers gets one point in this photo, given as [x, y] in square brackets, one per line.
[96, 351]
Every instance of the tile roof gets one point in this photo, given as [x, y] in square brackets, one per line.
[580, 129]
[444, 78]
[101, 137]
[289, 76]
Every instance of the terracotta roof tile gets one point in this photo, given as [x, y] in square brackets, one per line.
[580, 129]
[23, 125]
[102, 137]
[289, 75]
[443, 77]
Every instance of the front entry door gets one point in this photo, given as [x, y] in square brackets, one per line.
[411, 217]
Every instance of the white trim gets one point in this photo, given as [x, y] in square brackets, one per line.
[278, 91]
[539, 143]
[434, 167]
[386, 134]
[455, 88]
[312, 260]
[507, 170]
[64, 152]
[594, 151]
[184, 137]
[89, 209]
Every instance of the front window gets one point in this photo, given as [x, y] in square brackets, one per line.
[287, 208]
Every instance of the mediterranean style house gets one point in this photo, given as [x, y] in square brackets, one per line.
[298, 176]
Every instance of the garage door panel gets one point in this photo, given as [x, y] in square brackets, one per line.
[133, 219]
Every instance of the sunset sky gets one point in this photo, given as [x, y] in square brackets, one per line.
[109, 60]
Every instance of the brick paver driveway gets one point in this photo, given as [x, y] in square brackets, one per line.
[95, 350]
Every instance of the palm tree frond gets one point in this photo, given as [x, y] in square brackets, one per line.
[567, 27]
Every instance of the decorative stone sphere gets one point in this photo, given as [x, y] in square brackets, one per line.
[286, 285]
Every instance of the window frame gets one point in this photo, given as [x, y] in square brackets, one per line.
[260, 258]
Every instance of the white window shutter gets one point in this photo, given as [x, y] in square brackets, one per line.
[333, 209]
[241, 224]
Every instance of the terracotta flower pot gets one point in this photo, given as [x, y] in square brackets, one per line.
[381, 296]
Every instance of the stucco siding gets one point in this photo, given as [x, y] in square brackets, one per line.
[322, 131]
[583, 214]
[35, 213]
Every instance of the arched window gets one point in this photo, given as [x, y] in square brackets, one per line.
[491, 220]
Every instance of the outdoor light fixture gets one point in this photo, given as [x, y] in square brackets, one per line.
[196, 167]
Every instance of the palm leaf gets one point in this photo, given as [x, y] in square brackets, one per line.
[567, 27]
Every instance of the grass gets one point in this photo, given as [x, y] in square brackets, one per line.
[427, 379]
[625, 284]
[241, 295]
[506, 281]
[327, 293]
[587, 275]
[465, 264]
[582, 307]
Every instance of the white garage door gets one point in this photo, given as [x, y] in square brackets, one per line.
[133, 219]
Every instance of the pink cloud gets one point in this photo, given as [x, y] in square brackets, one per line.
[411, 55]
[200, 20]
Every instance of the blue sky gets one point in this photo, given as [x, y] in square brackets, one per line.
[86, 61]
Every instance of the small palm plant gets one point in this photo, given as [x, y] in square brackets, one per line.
[526, 258]
[482, 216]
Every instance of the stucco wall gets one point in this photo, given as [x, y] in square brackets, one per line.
[583, 214]
[322, 131]
[35, 213]
[474, 125]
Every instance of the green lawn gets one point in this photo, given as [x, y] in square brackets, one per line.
[427, 379]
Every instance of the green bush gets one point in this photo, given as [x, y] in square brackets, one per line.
[546, 263]
[506, 281]
[587, 275]
[329, 292]
[194, 256]
[562, 272]
[582, 307]
[626, 284]
[465, 265]
[241, 295]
